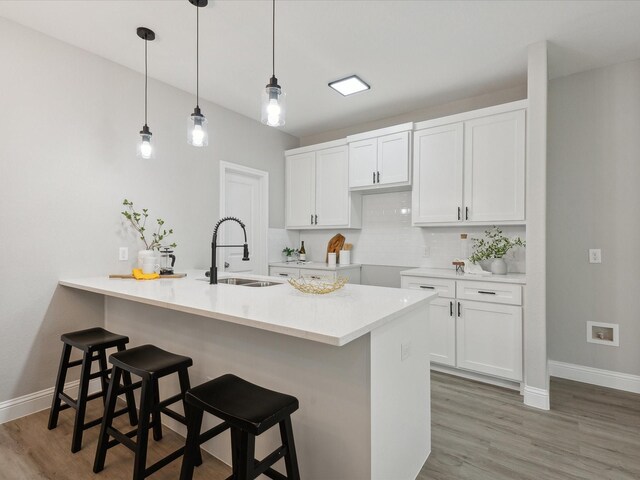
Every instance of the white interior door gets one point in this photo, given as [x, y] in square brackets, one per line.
[244, 195]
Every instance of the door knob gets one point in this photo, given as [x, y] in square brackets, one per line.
[226, 264]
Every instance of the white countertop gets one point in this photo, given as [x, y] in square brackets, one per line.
[335, 319]
[519, 278]
[314, 265]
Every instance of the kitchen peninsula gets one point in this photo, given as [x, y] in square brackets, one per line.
[356, 359]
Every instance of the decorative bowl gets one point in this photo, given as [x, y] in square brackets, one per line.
[317, 287]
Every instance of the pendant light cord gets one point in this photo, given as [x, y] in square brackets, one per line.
[145, 80]
[273, 39]
[197, 56]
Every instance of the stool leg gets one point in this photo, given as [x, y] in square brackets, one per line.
[131, 400]
[192, 445]
[83, 389]
[107, 420]
[155, 412]
[247, 456]
[235, 451]
[146, 402]
[102, 359]
[62, 376]
[290, 459]
[185, 385]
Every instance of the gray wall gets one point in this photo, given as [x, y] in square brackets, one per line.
[593, 201]
[68, 136]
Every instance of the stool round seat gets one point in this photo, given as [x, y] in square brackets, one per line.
[149, 361]
[93, 339]
[242, 404]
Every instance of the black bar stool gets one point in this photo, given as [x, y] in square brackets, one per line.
[249, 410]
[150, 363]
[93, 342]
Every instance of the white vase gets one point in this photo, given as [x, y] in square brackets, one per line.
[142, 254]
[499, 266]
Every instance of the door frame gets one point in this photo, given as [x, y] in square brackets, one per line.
[263, 177]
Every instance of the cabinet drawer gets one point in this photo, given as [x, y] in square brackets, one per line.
[505, 293]
[318, 274]
[445, 288]
[284, 272]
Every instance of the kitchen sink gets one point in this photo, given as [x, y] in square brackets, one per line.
[261, 284]
[236, 281]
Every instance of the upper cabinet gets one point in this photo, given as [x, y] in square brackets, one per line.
[317, 188]
[380, 159]
[470, 168]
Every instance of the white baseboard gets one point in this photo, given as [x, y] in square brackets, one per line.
[595, 376]
[35, 402]
[478, 377]
[536, 397]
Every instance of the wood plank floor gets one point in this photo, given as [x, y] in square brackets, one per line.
[480, 432]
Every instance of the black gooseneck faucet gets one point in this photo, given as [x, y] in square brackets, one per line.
[213, 273]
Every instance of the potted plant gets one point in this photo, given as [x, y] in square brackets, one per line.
[289, 254]
[138, 221]
[493, 248]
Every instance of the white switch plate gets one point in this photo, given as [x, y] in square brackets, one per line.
[427, 251]
[123, 254]
[595, 255]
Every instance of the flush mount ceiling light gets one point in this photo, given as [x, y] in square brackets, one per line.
[145, 149]
[273, 98]
[349, 85]
[197, 134]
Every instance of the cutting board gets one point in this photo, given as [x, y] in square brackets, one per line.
[175, 275]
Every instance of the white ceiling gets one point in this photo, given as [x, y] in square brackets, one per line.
[412, 53]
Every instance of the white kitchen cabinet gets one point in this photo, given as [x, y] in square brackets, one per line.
[470, 168]
[317, 188]
[489, 338]
[482, 336]
[438, 160]
[380, 159]
[352, 272]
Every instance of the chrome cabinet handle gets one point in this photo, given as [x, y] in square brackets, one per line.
[312, 219]
[459, 213]
[315, 277]
[466, 213]
[374, 176]
[316, 219]
[486, 293]
[283, 274]
[378, 177]
[428, 287]
[451, 309]
[459, 308]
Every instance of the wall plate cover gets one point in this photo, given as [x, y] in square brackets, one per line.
[595, 255]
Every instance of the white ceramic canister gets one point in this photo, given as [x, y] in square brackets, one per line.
[345, 257]
[331, 257]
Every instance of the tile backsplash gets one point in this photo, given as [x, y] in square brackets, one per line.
[387, 237]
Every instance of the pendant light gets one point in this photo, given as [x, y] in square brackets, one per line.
[145, 149]
[273, 98]
[197, 134]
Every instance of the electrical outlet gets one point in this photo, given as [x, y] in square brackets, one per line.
[427, 251]
[405, 351]
[595, 255]
[123, 254]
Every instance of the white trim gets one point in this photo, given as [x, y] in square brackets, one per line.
[482, 112]
[318, 146]
[478, 377]
[264, 204]
[595, 376]
[37, 401]
[536, 397]
[381, 132]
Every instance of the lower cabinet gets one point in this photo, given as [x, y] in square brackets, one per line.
[482, 337]
[352, 273]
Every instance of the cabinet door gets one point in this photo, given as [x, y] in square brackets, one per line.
[301, 189]
[393, 158]
[332, 187]
[489, 339]
[494, 159]
[442, 334]
[363, 158]
[437, 175]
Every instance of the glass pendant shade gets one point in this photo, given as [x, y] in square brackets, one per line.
[273, 104]
[197, 131]
[145, 149]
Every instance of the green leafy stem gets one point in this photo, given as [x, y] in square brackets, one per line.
[494, 245]
[138, 221]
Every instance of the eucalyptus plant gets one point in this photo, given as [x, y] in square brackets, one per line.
[138, 221]
[494, 245]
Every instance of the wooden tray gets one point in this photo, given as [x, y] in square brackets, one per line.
[174, 275]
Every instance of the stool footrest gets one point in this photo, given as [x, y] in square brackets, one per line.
[261, 467]
[209, 434]
[165, 461]
[125, 389]
[123, 438]
[68, 400]
[74, 363]
[99, 374]
[175, 415]
[168, 401]
[93, 396]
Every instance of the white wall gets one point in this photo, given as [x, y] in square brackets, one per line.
[69, 123]
[593, 197]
